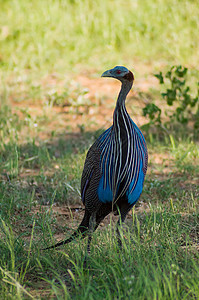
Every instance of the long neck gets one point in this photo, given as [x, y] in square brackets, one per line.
[125, 89]
[120, 104]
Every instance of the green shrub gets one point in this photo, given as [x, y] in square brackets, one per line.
[178, 94]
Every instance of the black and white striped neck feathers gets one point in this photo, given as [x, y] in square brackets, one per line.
[120, 109]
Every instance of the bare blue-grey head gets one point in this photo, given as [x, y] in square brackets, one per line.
[126, 77]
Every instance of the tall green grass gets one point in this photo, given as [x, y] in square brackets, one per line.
[159, 258]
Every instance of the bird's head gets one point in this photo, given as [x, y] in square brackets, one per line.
[121, 73]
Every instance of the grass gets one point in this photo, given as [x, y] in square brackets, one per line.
[46, 130]
[159, 258]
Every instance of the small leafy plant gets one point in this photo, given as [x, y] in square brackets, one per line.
[73, 96]
[185, 106]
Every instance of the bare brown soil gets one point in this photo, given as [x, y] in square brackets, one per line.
[102, 94]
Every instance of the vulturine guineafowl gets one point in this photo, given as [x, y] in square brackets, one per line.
[115, 166]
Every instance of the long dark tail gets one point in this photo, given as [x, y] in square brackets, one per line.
[81, 231]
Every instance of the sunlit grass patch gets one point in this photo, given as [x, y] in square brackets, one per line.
[79, 32]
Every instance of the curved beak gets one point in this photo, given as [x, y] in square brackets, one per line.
[107, 74]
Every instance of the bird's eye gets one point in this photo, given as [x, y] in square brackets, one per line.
[118, 72]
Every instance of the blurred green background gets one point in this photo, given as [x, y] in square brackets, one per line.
[59, 35]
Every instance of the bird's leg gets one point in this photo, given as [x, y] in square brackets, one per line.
[118, 228]
[92, 225]
[124, 209]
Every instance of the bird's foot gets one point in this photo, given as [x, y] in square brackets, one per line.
[86, 262]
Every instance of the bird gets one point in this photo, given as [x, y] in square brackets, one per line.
[114, 169]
